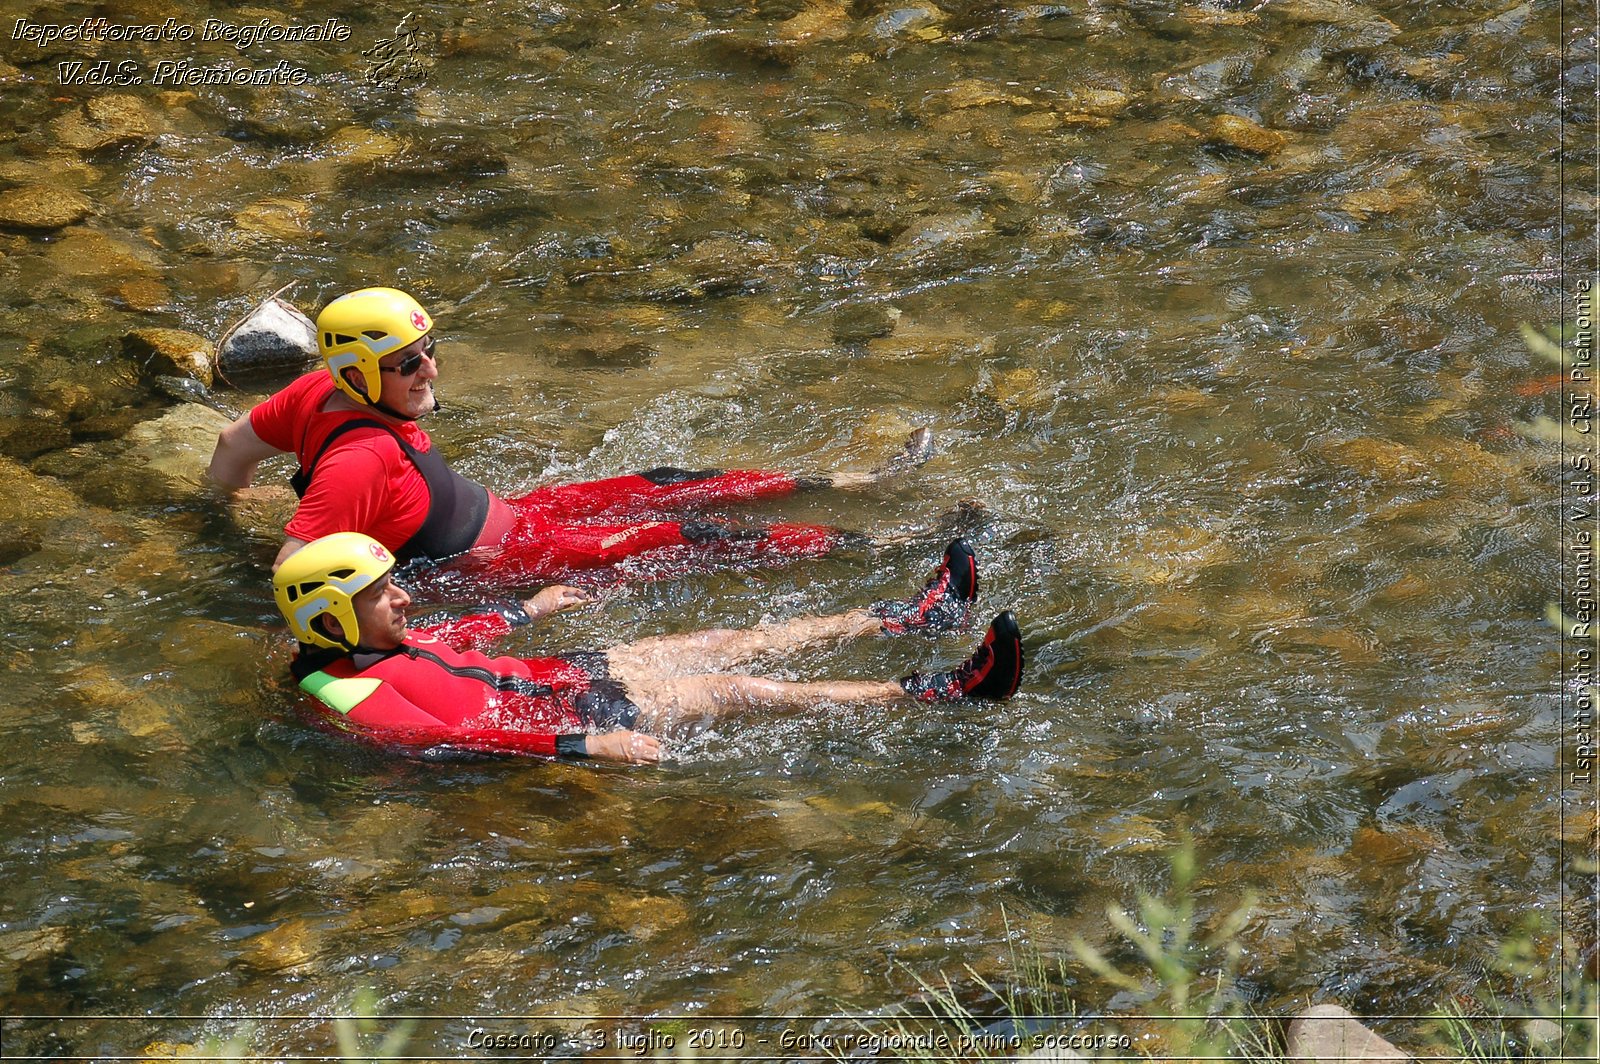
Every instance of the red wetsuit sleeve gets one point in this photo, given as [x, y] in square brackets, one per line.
[475, 631]
[366, 485]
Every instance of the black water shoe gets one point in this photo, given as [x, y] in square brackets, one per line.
[944, 600]
[993, 672]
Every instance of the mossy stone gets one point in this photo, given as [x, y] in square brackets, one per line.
[174, 352]
[42, 208]
[1236, 131]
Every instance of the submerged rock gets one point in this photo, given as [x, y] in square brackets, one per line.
[1357, 24]
[178, 444]
[1364, 203]
[280, 217]
[172, 352]
[85, 252]
[108, 698]
[106, 123]
[290, 947]
[276, 335]
[824, 21]
[42, 207]
[69, 396]
[20, 948]
[29, 499]
[1238, 132]
[27, 429]
[852, 325]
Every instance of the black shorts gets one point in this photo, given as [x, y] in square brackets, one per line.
[604, 705]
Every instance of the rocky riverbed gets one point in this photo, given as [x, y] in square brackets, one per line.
[1214, 308]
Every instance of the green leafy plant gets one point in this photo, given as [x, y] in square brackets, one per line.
[1187, 972]
[1554, 1013]
[1191, 975]
[1551, 346]
[361, 1036]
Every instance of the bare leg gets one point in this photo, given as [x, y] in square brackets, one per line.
[917, 450]
[692, 653]
[853, 481]
[668, 703]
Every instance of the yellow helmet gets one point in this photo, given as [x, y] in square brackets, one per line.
[321, 578]
[356, 330]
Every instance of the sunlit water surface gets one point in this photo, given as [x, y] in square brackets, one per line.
[1239, 412]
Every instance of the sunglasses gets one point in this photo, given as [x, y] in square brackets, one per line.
[412, 362]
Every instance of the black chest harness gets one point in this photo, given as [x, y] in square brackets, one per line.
[457, 507]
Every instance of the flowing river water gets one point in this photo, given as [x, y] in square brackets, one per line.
[1214, 308]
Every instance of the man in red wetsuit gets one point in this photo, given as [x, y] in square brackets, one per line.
[365, 466]
[432, 688]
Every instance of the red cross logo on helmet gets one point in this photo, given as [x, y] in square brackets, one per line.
[377, 551]
[419, 319]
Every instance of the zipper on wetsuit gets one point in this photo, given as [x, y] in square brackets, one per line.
[508, 684]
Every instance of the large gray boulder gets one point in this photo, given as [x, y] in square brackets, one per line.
[274, 336]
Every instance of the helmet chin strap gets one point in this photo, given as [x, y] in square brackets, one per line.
[358, 647]
[319, 623]
[384, 408]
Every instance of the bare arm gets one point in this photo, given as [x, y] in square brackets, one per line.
[239, 450]
[290, 545]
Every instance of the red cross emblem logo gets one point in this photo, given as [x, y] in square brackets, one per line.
[419, 319]
[378, 552]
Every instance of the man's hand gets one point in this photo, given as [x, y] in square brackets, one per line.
[554, 599]
[629, 747]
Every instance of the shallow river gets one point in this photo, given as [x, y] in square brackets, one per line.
[1214, 309]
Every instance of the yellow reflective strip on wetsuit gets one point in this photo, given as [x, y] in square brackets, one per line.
[342, 695]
